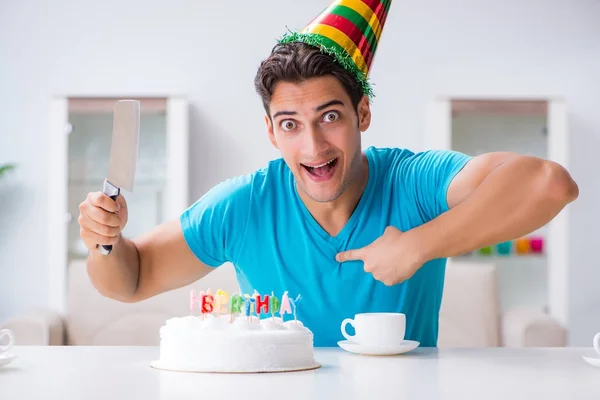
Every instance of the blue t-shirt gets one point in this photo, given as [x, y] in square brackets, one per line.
[259, 224]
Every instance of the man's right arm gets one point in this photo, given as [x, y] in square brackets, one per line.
[136, 269]
[208, 234]
[144, 267]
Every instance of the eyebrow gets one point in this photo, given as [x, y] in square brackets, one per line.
[319, 108]
[329, 104]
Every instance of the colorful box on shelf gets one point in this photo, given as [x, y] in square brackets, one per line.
[486, 251]
[504, 248]
[536, 244]
[522, 246]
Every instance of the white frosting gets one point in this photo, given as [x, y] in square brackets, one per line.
[243, 324]
[214, 344]
[294, 325]
[271, 325]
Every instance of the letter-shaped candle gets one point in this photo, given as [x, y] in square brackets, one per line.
[195, 299]
[294, 303]
[221, 300]
[236, 304]
[207, 303]
[262, 304]
[285, 305]
[273, 305]
[248, 305]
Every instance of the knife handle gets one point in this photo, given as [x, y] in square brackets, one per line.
[113, 192]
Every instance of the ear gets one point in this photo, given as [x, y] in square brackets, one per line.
[270, 131]
[364, 114]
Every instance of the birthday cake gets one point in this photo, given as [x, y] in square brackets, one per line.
[237, 334]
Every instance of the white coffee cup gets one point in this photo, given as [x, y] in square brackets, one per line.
[11, 340]
[596, 342]
[380, 329]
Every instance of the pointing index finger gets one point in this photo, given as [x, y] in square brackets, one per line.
[349, 255]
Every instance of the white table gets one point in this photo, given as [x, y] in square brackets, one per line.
[123, 373]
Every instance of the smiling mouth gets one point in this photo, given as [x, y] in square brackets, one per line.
[321, 170]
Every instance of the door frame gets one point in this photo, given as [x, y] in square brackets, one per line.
[438, 135]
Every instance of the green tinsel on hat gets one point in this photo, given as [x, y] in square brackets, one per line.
[339, 55]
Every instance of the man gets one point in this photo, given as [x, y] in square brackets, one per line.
[350, 231]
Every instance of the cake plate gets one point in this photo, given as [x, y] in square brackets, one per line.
[158, 365]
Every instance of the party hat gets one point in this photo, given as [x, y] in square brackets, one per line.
[348, 30]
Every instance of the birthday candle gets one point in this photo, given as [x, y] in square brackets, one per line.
[248, 304]
[274, 304]
[236, 304]
[221, 300]
[295, 304]
[262, 303]
[195, 299]
[207, 303]
[254, 305]
[285, 305]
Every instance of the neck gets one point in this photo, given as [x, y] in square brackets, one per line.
[333, 215]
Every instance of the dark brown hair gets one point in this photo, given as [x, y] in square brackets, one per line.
[296, 62]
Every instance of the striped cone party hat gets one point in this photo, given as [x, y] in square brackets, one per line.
[348, 30]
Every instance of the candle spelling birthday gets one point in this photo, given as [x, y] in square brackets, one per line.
[243, 304]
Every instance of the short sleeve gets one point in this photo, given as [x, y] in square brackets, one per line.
[214, 226]
[427, 175]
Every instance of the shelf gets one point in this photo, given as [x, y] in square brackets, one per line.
[497, 258]
[88, 182]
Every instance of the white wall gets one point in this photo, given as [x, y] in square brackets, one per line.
[210, 51]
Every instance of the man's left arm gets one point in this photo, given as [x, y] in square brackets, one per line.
[496, 197]
[493, 198]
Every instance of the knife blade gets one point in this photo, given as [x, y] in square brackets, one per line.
[123, 152]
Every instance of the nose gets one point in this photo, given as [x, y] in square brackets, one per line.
[315, 142]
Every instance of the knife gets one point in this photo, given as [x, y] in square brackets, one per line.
[123, 153]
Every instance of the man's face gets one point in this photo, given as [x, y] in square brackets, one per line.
[317, 130]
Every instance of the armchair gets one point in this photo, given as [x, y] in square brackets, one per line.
[471, 316]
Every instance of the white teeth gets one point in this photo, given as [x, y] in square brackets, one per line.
[324, 164]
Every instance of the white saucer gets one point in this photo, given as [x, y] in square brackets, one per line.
[404, 347]
[592, 361]
[7, 358]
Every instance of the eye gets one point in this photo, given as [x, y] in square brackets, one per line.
[331, 116]
[288, 125]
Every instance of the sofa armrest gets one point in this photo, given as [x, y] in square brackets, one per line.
[529, 327]
[37, 328]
